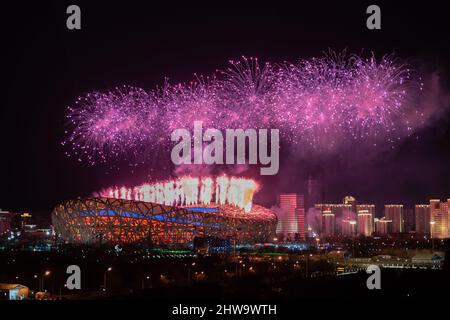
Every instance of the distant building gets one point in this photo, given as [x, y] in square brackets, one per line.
[365, 223]
[340, 212]
[291, 217]
[369, 207]
[409, 219]
[429, 258]
[9, 291]
[350, 200]
[440, 219]
[25, 218]
[382, 226]
[422, 218]
[6, 218]
[394, 212]
[300, 213]
[349, 227]
[328, 220]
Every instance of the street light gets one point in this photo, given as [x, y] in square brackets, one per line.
[109, 269]
[239, 268]
[46, 274]
[36, 277]
[143, 282]
[189, 273]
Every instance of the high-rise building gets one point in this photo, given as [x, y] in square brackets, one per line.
[409, 219]
[365, 223]
[350, 200]
[394, 212]
[422, 218]
[291, 216]
[6, 221]
[440, 219]
[349, 227]
[368, 207]
[25, 218]
[382, 226]
[328, 219]
[300, 213]
[340, 212]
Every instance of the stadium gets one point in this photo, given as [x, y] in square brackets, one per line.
[170, 212]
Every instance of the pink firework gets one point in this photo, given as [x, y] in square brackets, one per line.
[115, 123]
[319, 104]
[326, 102]
[245, 92]
[186, 103]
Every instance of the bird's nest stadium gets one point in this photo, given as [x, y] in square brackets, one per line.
[121, 221]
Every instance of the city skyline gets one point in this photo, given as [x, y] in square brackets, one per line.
[351, 218]
[37, 174]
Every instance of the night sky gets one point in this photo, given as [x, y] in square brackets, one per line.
[45, 67]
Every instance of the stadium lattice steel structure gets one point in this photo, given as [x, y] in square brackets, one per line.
[97, 220]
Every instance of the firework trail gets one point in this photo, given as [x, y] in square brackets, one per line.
[319, 104]
[191, 191]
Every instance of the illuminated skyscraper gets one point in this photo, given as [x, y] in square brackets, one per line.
[382, 226]
[328, 223]
[365, 223]
[349, 227]
[422, 218]
[300, 213]
[340, 212]
[351, 201]
[369, 207]
[291, 218]
[394, 212]
[440, 219]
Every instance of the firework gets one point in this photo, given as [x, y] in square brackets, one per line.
[319, 104]
[111, 124]
[191, 191]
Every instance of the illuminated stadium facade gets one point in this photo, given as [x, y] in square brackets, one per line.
[121, 221]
